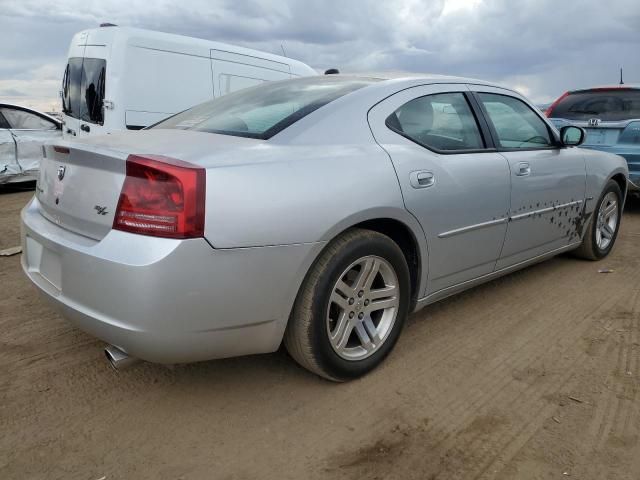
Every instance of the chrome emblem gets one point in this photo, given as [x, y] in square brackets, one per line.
[593, 122]
[61, 171]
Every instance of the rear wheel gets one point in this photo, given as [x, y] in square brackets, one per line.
[351, 307]
[603, 227]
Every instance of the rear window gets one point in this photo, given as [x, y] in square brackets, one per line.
[264, 110]
[83, 87]
[606, 105]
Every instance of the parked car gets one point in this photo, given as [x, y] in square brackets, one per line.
[23, 132]
[318, 211]
[543, 107]
[121, 78]
[611, 118]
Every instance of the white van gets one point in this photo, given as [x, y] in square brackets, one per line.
[126, 78]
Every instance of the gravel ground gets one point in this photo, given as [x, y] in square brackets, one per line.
[533, 376]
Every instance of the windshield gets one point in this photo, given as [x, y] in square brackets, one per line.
[607, 105]
[264, 110]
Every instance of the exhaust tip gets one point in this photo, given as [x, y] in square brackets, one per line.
[117, 358]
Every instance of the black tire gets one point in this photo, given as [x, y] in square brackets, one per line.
[589, 249]
[307, 337]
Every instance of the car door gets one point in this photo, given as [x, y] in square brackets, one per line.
[547, 180]
[30, 131]
[8, 163]
[452, 180]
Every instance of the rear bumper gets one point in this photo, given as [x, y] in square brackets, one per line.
[164, 300]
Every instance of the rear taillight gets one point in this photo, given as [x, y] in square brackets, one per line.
[163, 197]
[549, 110]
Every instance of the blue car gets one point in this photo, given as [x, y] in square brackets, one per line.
[611, 117]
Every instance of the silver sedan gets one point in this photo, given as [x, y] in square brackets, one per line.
[318, 211]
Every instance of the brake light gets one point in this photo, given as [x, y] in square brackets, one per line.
[555, 104]
[162, 197]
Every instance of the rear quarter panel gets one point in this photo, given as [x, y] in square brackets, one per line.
[300, 194]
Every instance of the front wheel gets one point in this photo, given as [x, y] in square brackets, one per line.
[603, 227]
[351, 307]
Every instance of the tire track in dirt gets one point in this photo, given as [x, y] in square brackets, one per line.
[493, 387]
[579, 336]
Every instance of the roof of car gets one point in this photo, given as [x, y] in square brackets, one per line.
[624, 86]
[423, 77]
[416, 78]
[391, 82]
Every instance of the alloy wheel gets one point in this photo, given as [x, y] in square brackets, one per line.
[607, 221]
[362, 308]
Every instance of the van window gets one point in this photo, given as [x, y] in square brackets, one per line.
[93, 80]
[264, 110]
[71, 88]
[83, 89]
[231, 83]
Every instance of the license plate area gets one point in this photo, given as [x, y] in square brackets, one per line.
[595, 137]
[45, 262]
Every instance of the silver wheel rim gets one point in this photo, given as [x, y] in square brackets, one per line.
[607, 221]
[363, 308]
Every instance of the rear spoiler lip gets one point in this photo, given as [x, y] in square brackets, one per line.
[605, 89]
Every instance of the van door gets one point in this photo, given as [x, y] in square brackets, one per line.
[233, 71]
[71, 82]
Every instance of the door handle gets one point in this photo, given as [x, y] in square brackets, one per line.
[85, 128]
[523, 170]
[422, 179]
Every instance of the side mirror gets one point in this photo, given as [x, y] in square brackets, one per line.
[572, 136]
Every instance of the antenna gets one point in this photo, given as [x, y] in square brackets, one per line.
[621, 82]
[283, 52]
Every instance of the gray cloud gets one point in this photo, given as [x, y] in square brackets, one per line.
[542, 47]
[12, 92]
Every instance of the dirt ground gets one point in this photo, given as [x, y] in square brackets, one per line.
[533, 376]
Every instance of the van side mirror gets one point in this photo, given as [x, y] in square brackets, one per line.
[572, 136]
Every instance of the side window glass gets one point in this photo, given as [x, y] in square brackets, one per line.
[516, 125]
[3, 122]
[71, 88]
[93, 84]
[19, 119]
[442, 122]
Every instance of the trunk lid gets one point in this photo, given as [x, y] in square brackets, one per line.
[80, 183]
[79, 187]
[610, 115]
[606, 134]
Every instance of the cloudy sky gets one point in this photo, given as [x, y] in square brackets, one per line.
[540, 47]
